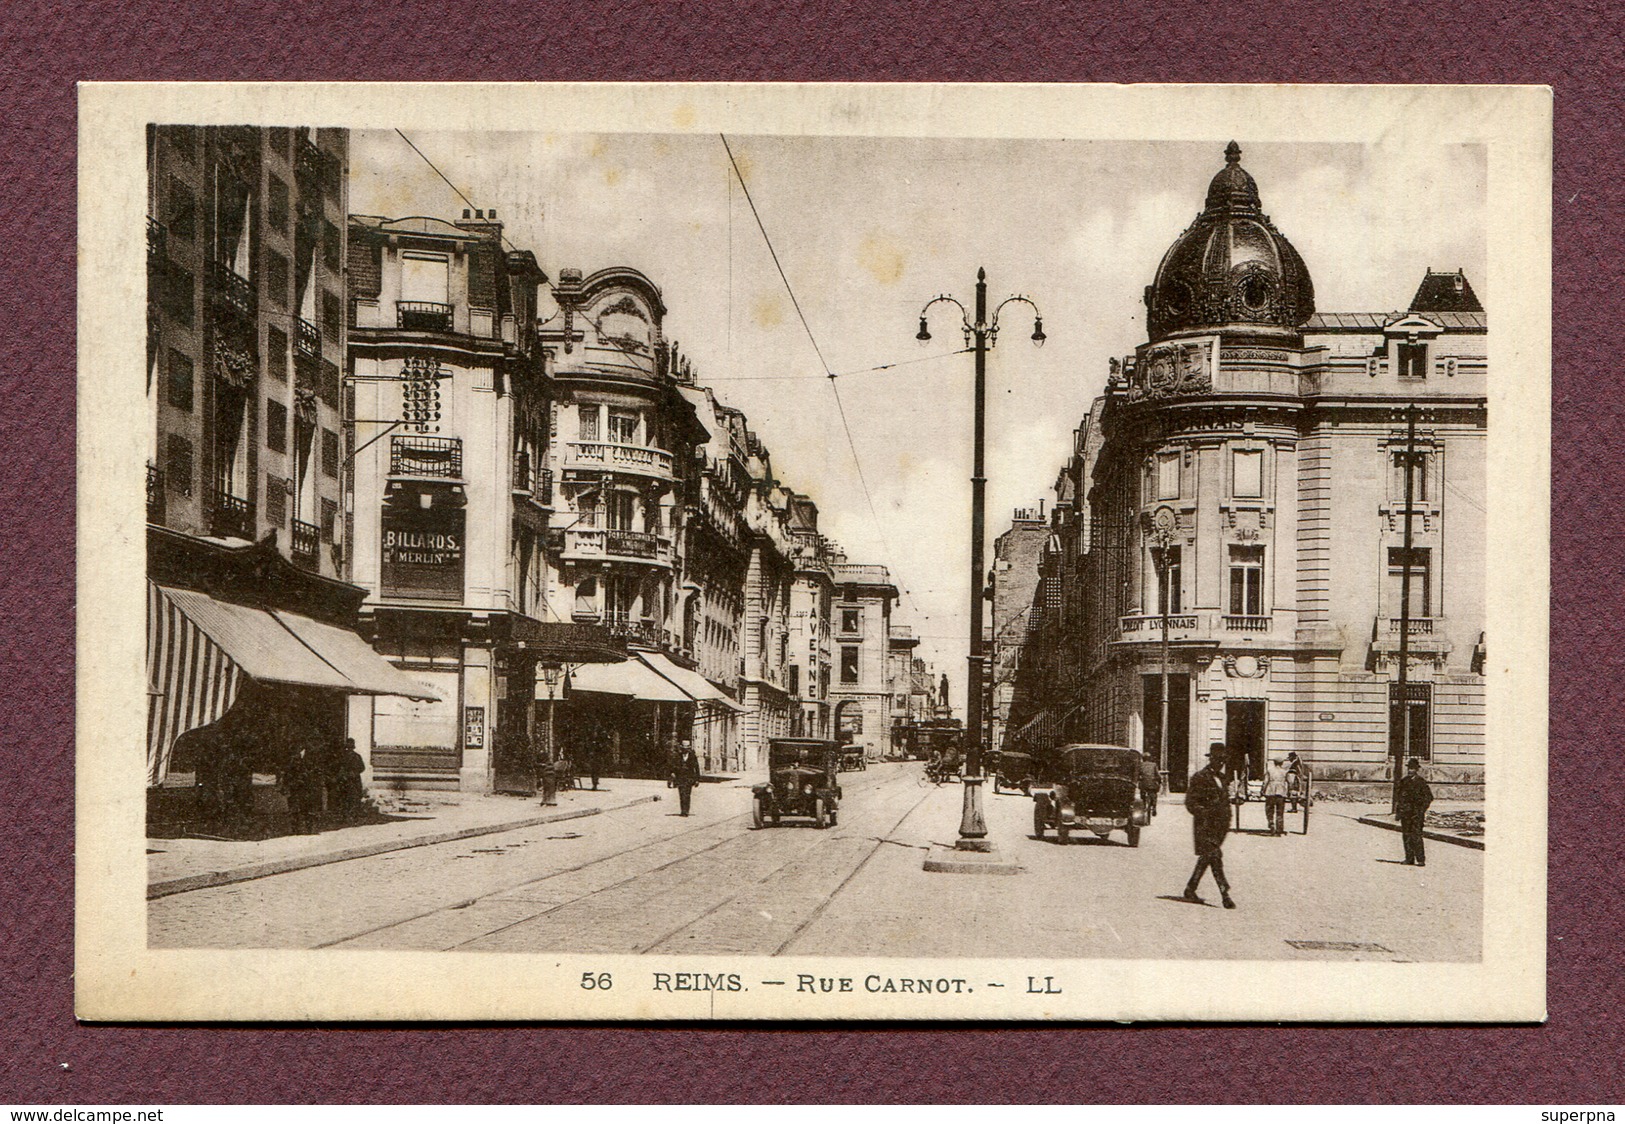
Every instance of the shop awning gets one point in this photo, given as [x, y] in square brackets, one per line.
[629, 678]
[257, 641]
[697, 686]
[370, 673]
[191, 681]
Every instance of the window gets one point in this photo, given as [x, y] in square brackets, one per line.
[332, 316]
[587, 597]
[1413, 360]
[330, 454]
[850, 620]
[178, 471]
[1417, 739]
[276, 505]
[424, 279]
[332, 247]
[619, 508]
[180, 380]
[276, 205]
[1419, 476]
[181, 215]
[1246, 581]
[1168, 476]
[276, 277]
[276, 354]
[589, 422]
[623, 427]
[849, 665]
[1248, 473]
[180, 292]
[1421, 582]
[1171, 589]
[328, 389]
[276, 426]
[795, 679]
[330, 518]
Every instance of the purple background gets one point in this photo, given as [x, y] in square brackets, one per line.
[46, 1057]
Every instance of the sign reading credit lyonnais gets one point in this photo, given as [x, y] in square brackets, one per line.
[422, 554]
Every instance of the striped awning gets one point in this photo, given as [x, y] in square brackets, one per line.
[199, 648]
[191, 681]
[692, 683]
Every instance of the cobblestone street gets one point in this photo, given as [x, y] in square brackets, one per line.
[642, 879]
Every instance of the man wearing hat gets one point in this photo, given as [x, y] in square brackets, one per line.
[1208, 801]
[1414, 798]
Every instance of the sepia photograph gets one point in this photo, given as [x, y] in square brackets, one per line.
[841, 557]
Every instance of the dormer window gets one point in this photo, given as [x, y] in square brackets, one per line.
[1413, 360]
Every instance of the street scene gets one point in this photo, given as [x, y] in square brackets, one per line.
[791, 545]
[640, 879]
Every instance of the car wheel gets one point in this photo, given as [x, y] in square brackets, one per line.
[1133, 835]
[820, 813]
[757, 814]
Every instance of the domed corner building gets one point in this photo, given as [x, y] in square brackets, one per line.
[1262, 443]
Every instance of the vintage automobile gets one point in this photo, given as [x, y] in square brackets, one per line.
[1017, 772]
[801, 782]
[852, 758]
[1096, 788]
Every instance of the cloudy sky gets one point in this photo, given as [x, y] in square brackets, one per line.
[868, 230]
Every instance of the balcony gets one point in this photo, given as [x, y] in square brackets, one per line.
[310, 161]
[230, 517]
[1419, 626]
[307, 341]
[521, 473]
[155, 494]
[623, 626]
[440, 458]
[307, 539]
[596, 543]
[542, 493]
[534, 487]
[1248, 622]
[422, 316]
[644, 460]
[231, 291]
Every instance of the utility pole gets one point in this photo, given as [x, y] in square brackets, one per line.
[1402, 746]
[1163, 534]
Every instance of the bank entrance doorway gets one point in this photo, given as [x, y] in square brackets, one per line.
[1179, 725]
[1244, 734]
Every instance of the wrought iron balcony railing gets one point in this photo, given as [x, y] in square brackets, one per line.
[230, 516]
[307, 341]
[1247, 622]
[423, 316]
[543, 491]
[440, 457]
[521, 472]
[307, 539]
[231, 290]
[155, 494]
[625, 627]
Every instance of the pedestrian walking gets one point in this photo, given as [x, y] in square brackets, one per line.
[1150, 783]
[349, 794]
[1276, 782]
[1414, 797]
[686, 776]
[1208, 801]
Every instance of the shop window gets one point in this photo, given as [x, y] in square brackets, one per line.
[1247, 473]
[1421, 581]
[180, 380]
[849, 665]
[1168, 476]
[1417, 740]
[1246, 581]
[276, 426]
[1413, 360]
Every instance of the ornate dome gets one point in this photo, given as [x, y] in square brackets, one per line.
[1231, 270]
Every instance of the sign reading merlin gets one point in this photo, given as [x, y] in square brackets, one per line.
[422, 545]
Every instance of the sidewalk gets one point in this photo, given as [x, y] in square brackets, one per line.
[1462, 822]
[416, 819]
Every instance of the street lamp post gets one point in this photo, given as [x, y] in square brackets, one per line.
[1164, 531]
[981, 333]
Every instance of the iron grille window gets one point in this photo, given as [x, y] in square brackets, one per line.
[178, 472]
[180, 380]
[276, 426]
[1418, 710]
[426, 456]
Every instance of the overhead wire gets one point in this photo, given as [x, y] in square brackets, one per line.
[457, 190]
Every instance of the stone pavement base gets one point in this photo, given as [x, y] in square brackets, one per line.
[947, 860]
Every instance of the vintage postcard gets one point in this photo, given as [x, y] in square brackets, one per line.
[813, 552]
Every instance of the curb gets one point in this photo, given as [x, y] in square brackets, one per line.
[211, 878]
[1430, 836]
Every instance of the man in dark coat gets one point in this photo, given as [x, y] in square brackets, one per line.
[686, 776]
[1414, 798]
[1208, 801]
[1150, 783]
